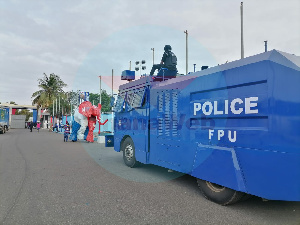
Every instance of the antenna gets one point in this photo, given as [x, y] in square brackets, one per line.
[266, 46]
[242, 32]
[186, 51]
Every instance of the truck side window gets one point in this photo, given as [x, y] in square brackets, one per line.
[138, 98]
[144, 98]
[129, 99]
[119, 107]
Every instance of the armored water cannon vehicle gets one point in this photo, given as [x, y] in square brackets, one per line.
[234, 127]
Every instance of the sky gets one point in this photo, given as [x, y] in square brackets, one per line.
[79, 40]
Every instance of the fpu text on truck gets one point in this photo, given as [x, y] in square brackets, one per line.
[234, 127]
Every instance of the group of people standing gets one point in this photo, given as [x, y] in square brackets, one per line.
[59, 126]
[30, 126]
[66, 128]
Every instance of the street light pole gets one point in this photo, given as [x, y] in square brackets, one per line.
[186, 50]
[153, 54]
[139, 66]
[242, 32]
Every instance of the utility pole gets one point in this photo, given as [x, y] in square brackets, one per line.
[112, 82]
[59, 105]
[153, 54]
[53, 115]
[101, 107]
[71, 112]
[242, 32]
[100, 91]
[186, 51]
[112, 95]
[78, 97]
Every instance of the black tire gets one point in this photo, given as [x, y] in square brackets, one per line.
[219, 194]
[246, 197]
[129, 153]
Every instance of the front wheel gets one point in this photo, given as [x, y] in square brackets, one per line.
[129, 153]
[219, 194]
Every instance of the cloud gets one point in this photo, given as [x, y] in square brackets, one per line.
[80, 40]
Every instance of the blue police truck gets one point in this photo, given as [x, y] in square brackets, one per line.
[234, 127]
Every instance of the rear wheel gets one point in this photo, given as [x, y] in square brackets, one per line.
[246, 197]
[129, 153]
[219, 194]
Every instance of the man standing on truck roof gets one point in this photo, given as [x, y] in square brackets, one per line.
[169, 61]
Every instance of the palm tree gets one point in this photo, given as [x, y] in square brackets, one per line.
[50, 88]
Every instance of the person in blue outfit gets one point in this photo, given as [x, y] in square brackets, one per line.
[66, 132]
[169, 61]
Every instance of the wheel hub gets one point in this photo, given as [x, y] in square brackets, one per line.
[215, 187]
[128, 152]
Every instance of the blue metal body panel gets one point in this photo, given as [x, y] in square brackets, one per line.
[236, 124]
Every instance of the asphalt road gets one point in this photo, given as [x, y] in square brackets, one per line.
[46, 181]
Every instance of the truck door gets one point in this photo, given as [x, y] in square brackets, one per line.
[167, 147]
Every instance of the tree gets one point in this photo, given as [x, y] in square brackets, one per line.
[24, 112]
[105, 100]
[50, 88]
